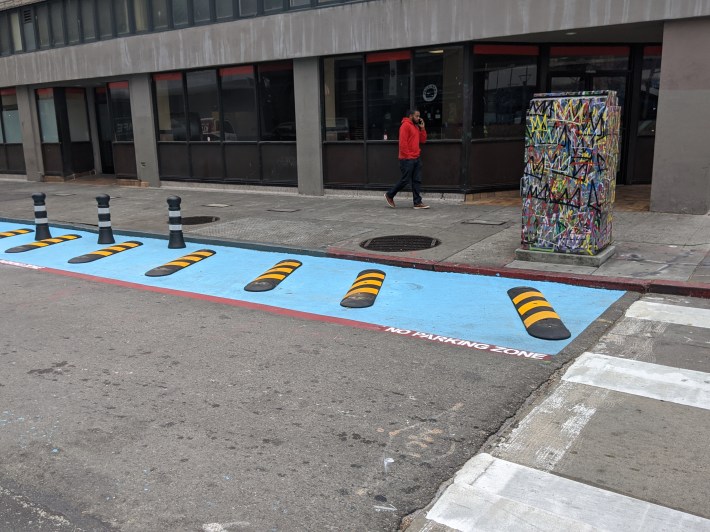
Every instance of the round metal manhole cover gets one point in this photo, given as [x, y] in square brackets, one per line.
[400, 243]
[198, 220]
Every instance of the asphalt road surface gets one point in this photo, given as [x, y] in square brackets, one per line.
[130, 409]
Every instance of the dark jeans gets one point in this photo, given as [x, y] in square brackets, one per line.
[410, 170]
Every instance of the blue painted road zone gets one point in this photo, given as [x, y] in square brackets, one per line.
[471, 311]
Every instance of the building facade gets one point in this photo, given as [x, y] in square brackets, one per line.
[310, 93]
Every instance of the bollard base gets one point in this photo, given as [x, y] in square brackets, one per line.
[566, 258]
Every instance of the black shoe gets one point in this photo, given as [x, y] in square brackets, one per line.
[390, 201]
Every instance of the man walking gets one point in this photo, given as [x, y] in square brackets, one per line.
[411, 135]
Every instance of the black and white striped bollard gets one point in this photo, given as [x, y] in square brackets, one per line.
[175, 223]
[105, 231]
[41, 221]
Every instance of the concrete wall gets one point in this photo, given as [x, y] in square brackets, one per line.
[359, 27]
[143, 118]
[309, 146]
[681, 165]
[31, 140]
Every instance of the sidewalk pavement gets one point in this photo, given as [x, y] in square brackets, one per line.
[655, 252]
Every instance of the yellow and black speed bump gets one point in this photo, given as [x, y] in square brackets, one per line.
[181, 263]
[42, 243]
[270, 279]
[364, 290]
[539, 318]
[105, 252]
[7, 234]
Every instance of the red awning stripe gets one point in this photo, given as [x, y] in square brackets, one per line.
[7, 92]
[169, 76]
[118, 85]
[653, 50]
[246, 70]
[383, 57]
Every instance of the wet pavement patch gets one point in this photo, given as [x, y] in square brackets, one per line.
[199, 220]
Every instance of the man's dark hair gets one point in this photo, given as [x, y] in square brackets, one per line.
[410, 112]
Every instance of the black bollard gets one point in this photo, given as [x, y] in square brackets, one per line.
[175, 223]
[41, 221]
[105, 231]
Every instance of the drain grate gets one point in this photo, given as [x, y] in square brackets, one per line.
[198, 220]
[398, 243]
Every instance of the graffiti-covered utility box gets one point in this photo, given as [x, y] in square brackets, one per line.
[571, 160]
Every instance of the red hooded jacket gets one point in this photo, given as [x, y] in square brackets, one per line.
[410, 137]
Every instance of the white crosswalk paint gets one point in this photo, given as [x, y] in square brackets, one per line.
[675, 385]
[648, 310]
[490, 494]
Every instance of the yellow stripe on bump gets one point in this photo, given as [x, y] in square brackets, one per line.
[361, 290]
[270, 276]
[533, 304]
[178, 263]
[287, 263]
[371, 274]
[361, 283]
[526, 295]
[102, 253]
[540, 316]
[202, 254]
[280, 270]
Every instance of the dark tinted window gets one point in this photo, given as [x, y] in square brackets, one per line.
[277, 105]
[239, 104]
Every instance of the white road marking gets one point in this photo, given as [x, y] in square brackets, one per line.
[646, 310]
[490, 494]
[675, 385]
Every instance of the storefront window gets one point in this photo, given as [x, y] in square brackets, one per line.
[650, 86]
[170, 102]
[278, 108]
[10, 117]
[76, 112]
[343, 98]
[47, 115]
[121, 111]
[203, 105]
[388, 96]
[504, 80]
[239, 104]
[438, 90]
[589, 58]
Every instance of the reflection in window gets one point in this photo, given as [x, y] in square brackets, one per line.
[180, 13]
[387, 93]
[160, 14]
[88, 23]
[650, 86]
[15, 29]
[170, 102]
[203, 105]
[140, 15]
[247, 8]
[585, 58]
[4, 35]
[504, 81]
[239, 104]
[273, 5]
[121, 16]
[438, 89]
[343, 98]
[224, 9]
[300, 3]
[10, 116]
[121, 111]
[71, 9]
[277, 104]
[47, 115]
[78, 119]
[104, 11]
[200, 11]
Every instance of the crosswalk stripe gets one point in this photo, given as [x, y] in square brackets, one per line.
[490, 494]
[648, 310]
[675, 385]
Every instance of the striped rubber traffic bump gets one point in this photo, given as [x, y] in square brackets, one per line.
[179, 264]
[539, 318]
[270, 279]
[8, 234]
[364, 290]
[105, 252]
[42, 243]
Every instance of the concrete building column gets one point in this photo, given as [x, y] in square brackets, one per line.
[681, 163]
[31, 140]
[309, 146]
[143, 117]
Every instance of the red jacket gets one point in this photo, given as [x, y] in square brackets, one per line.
[410, 137]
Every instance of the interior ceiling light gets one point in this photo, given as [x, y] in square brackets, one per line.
[571, 33]
[436, 51]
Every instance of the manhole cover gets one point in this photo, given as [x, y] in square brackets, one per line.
[197, 220]
[400, 243]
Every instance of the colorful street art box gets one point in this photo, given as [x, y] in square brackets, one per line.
[571, 160]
